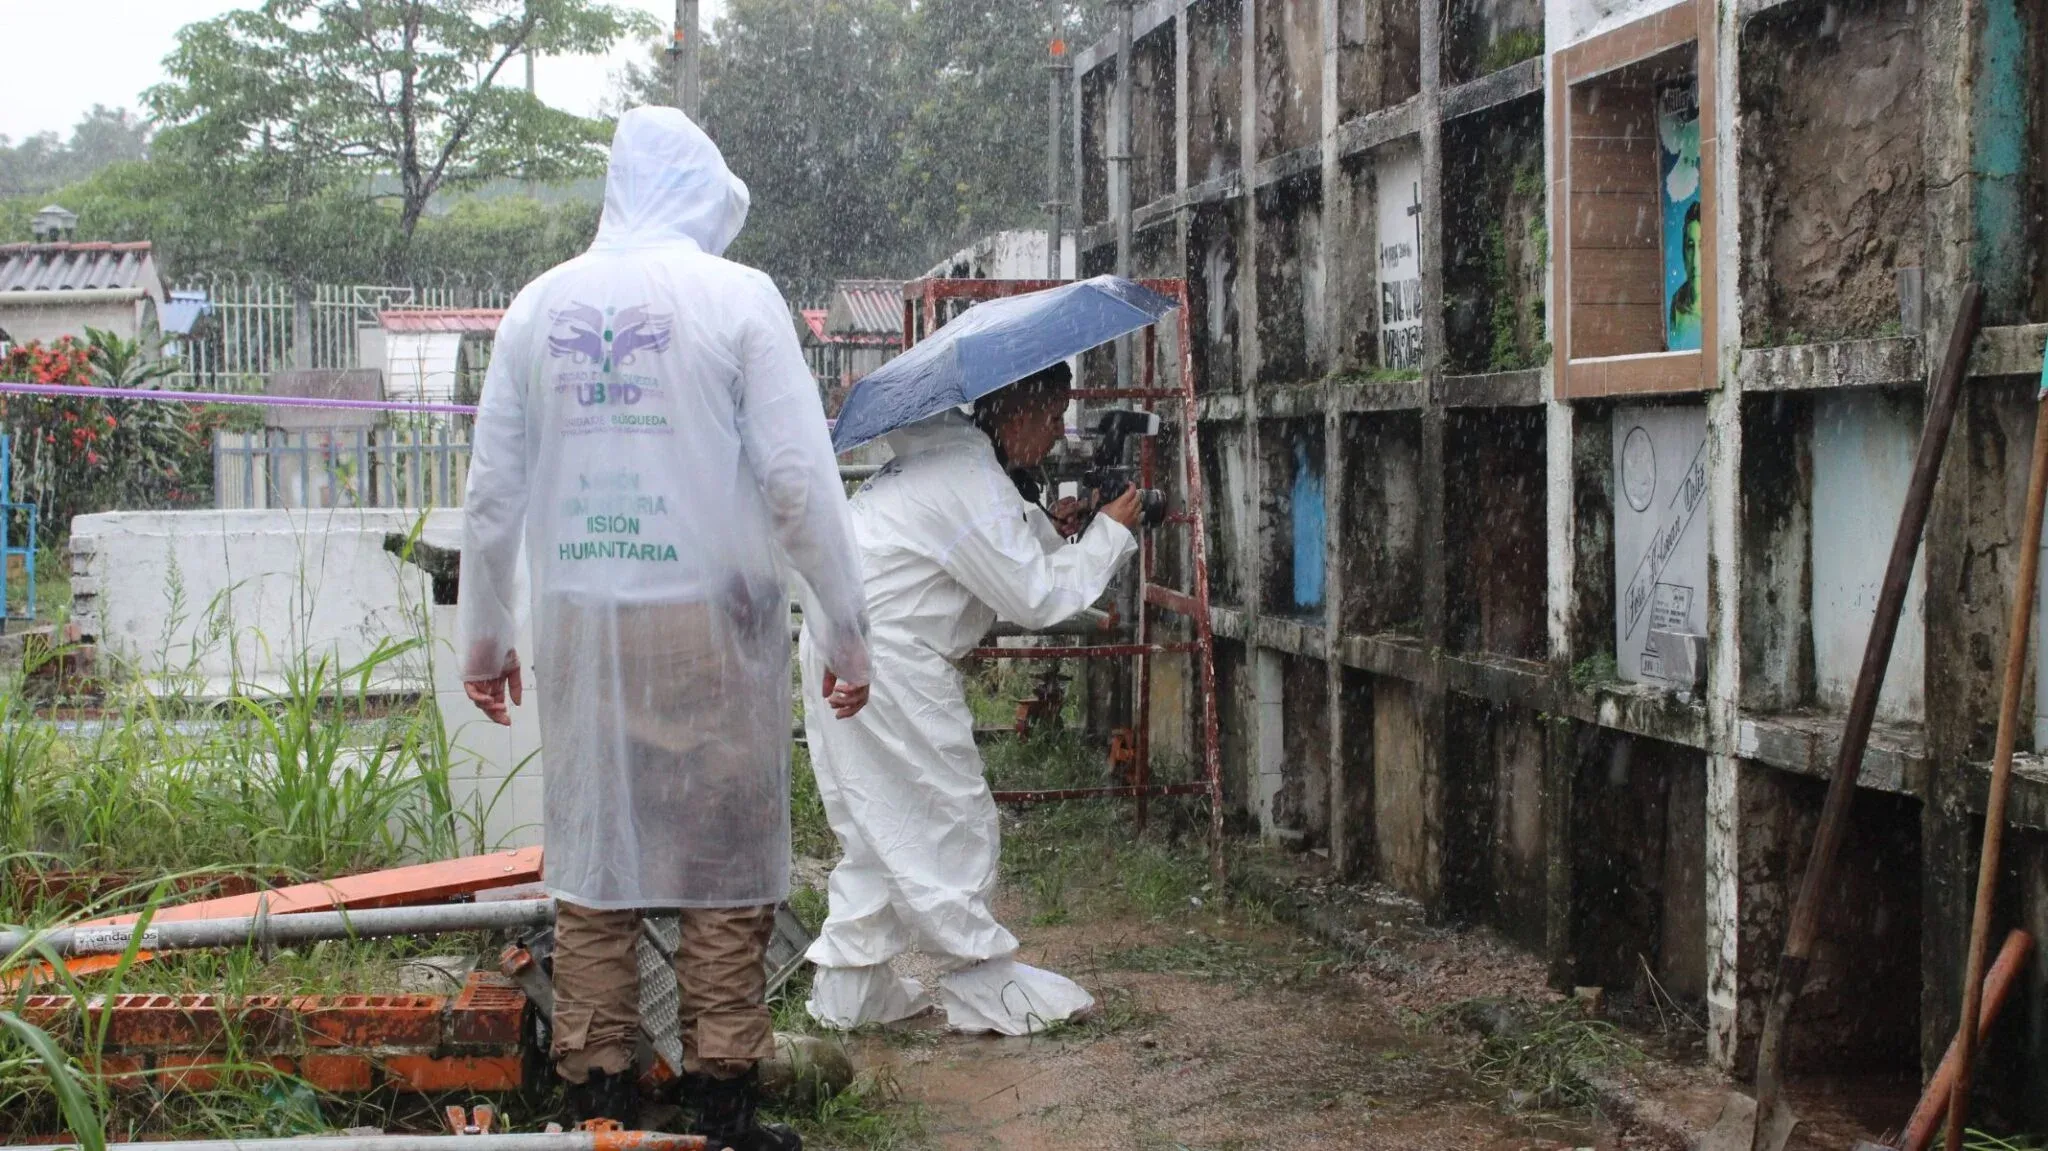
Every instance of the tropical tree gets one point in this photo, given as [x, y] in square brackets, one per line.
[299, 104]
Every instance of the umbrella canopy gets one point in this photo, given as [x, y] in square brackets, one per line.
[990, 345]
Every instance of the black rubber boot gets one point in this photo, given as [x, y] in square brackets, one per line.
[726, 1117]
[605, 1095]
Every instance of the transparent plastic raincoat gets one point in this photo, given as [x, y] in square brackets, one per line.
[650, 428]
[947, 546]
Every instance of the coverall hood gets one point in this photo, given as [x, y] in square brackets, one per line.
[668, 182]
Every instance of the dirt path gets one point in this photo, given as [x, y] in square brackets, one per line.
[1211, 1039]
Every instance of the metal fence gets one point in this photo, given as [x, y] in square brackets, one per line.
[422, 466]
[255, 325]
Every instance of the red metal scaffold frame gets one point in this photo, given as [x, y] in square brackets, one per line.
[922, 301]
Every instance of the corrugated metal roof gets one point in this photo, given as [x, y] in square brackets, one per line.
[814, 319]
[74, 267]
[483, 320]
[866, 308]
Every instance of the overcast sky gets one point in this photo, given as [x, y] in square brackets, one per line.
[64, 56]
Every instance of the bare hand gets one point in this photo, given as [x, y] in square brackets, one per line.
[844, 699]
[1124, 508]
[1069, 516]
[489, 694]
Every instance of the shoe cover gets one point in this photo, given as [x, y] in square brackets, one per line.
[847, 997]
[1010, 998]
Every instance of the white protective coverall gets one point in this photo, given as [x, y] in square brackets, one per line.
[650, 426]
[947, 546]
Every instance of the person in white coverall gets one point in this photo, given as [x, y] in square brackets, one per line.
[947, 546]
[650, 431]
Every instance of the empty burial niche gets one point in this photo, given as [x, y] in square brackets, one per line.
[1215, 89]
[1483, 36]
[1823, 479]
[1292, 340]
[1860, 1010]
[1098, 93]
[1496, 868]
[1292, 796]
[1212, 296]
[1638, 862]
[1379, 54]
[1351, 822]
[1352, 280]
[1494, 523]
[1226, 485]
[1832, 97]
[1635, 210]
[1290, 76]
[1381, 541]
[2015, 1073]
[1292, 508]
[1236, 710]
[1592, 592]
[1496, 239]
[1407, 803]
[1153, 108]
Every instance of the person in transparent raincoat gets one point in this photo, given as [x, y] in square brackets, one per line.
[651, 433]
[948, 545]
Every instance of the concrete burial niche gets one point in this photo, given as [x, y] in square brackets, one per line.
[1226, 480]
[1833, 203]
[1353, 282]
[1407, 804]
[1496, 866]
[1496, 239]
[1213, 249]
[1352, 833]
[1823, 478]
[1380, 546]
[1291, 796]
[1379, 55]
[1236, 715]
[1098, 96]
[1153, 108]
[1860, 1010]
[1293, 341]
[1495, 528]
[1638, 864]
[1293, 517]
[1215, 89]
[1484, 36]
[1290, 97]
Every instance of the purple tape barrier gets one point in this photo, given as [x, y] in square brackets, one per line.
[227, 398]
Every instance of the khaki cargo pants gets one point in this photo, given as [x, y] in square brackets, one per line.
[720, 969]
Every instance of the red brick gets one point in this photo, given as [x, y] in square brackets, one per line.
[336, 1074]
[371, 1020]
[122, 1072]
[488, 1012]
[188, 1072]
[430, 1075]
[53, 1013]
[164, 1022]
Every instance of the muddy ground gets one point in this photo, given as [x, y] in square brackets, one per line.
[1237, 1029]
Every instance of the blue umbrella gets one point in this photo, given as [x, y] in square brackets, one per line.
[991, 345]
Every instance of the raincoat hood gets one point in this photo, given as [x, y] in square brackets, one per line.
[667, 182]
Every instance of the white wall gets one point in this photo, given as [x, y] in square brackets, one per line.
[197, 601]
[46, 324]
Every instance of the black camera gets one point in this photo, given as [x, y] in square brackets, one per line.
[1109, 476]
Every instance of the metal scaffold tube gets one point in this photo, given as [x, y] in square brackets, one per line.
[562, 1141]
[297, 927]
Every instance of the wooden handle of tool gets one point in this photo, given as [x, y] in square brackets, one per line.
[2012, 958]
